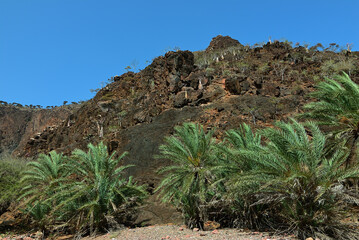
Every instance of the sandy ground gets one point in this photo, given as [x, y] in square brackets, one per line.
[176, 233]
[159, 232]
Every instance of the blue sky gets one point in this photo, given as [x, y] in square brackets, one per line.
[57, 50]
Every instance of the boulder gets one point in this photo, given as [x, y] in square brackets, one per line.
[186, 96]
[237, 86]
[211, 93]
[210, 225]
[195, 79]
[222, 42]
[174, 81]
[180, 62]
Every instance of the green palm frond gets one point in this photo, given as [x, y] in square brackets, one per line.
[337, 106]
[101, 191]
[81, 191]
[38, 179]
[293, 174]
[337, 99]
[242, 138]
[39, 182]
[192, 175]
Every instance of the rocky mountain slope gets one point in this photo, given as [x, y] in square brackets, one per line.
[221, 87]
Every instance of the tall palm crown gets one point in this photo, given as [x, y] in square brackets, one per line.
[187, 182]
[337, 105]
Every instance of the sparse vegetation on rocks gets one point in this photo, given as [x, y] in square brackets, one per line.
[233, 155]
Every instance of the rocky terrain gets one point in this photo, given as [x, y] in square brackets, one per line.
[221, 87]
[19, 124]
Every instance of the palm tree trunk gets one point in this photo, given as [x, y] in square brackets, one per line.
[351, 160]
[353, 153]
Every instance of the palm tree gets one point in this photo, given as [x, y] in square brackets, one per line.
[188, 182]
[41, 174]
[337, 106]
[40, 181]
[231, 164]
[96, 195]
[235, 140]
[304, 187]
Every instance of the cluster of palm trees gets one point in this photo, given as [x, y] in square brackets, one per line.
[84, 193]
[292, 177]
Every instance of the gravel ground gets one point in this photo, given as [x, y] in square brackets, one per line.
[176, 233]
[159, 232]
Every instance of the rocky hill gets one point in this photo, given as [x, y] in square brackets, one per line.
[221, 87]
[19, 124]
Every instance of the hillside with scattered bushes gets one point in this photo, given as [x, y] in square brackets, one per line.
[259, 137]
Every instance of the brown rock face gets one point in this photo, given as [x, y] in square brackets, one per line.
[18, 125]
[13, 124]
[222, 42]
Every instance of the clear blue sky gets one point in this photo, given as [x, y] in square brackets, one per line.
[56, 50]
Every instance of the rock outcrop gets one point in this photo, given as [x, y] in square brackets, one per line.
[19, 124]
[222, 42]
[134, 113]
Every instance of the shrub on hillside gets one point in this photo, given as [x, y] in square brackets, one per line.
[10, 174]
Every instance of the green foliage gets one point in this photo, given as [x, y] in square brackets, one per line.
[292, 175]
[337, 98]
[38, 183]
[102, 191]
[289, 183]
[264, 68]
[227, 73]
[332, 67]
[234, 141]
[107, 96]
[123, 113]
[10, 174]
[337, 106]
[243, 67]
[190, 183]
[85, 191]
[232, 164]
[210, 72]
[40, 175]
